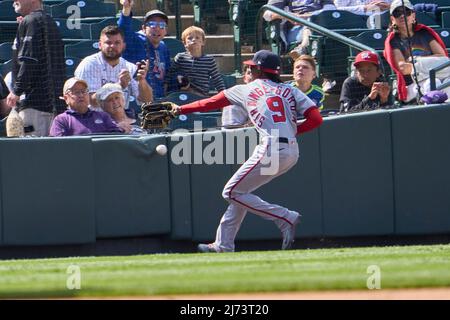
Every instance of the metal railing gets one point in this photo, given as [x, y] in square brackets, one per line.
[315, 27]
[433, 73]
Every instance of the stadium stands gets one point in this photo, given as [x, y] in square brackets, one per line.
[71, 65]
[81, 49]
[7, 11]
[82, 9]
[340, 20]
[5, 51]
[92, 30]
[446, 19]
[175, 46]
[5, 68]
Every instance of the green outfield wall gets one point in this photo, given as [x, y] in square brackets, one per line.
[369, 174]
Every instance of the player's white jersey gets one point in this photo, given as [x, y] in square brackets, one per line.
[271, 105]
[234, 116]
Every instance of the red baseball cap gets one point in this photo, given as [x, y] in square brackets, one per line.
[366, 56]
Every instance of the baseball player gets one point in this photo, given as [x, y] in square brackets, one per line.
[273, 108]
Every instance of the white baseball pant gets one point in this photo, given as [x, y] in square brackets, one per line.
[249, 177]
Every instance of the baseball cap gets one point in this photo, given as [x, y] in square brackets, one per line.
[155, 13]
[104, 92]
[266, 60]
[71, 82]
[400, 3]
[366, 56]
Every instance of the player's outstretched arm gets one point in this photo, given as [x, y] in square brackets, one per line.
[313, 120]
[218, 101]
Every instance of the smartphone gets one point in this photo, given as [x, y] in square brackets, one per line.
[139, 67]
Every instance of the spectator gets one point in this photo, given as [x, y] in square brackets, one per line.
[366, 90]
[38, 69]
[304, 74]
[4, 109]
[363, 7]
[233, 115]
[406, 36]
[78, 119]
[291, 31]
[108, 66]
[148, 44]
[369, 8]
[193, 69]
[111, 99]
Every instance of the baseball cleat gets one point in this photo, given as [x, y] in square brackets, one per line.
[206, 248]
[289, 234]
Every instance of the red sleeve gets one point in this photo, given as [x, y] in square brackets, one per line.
[215, 102]
[313, 120]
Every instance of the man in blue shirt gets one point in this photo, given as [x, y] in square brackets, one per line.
[147, 44]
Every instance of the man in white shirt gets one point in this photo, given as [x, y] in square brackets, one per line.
[108, 66]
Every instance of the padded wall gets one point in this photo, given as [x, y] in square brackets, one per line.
[422, 169]
[131, 187]
[47, 191]
[357, 178]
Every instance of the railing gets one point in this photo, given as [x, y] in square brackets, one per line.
[433, 77]
[236, 10]
[315, 27]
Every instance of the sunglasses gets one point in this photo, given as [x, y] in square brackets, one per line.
[154, 24]
[399, 12]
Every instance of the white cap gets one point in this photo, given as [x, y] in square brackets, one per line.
[71, 82]
[400, 3]
[104, 92]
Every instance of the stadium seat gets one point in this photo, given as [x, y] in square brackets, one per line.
[182, 97]
[444, 33]
[92, 30]
[428, 18]
[7, 12]
[81, 49]
[5, 68]
[71, 65]
[5, 51]
[175, 46]
[339, 20]
[208, 120]
[134, 110]
[445, 19]
[229, 80]
[8, 30]
[68, 30]
[87, 9]
[372, 38]
[440, 3]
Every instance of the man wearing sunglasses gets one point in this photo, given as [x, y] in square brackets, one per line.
[147, 44]
[408, 38]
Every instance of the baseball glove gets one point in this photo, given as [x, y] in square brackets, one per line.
[157, 115]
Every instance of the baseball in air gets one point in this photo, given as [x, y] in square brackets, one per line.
[161, 149]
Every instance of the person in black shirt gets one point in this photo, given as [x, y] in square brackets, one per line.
[38, 70]
[4, 109]
[365, 90]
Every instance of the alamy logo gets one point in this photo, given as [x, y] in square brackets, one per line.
[374, 280]
[74, 277]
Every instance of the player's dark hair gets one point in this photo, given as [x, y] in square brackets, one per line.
[112, 31]
[272, 77]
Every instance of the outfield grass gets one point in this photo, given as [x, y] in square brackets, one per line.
[268, 271]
